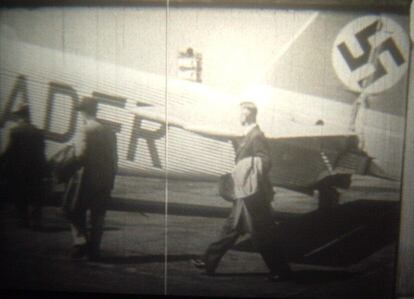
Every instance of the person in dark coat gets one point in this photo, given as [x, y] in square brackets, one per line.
[96, 157]
[250, 214]
[25, 168]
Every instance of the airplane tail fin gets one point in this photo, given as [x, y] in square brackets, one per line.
[332, 54]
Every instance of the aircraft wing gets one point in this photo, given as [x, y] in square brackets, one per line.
[302, 155]
[158, 115]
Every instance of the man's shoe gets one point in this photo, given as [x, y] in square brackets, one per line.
[198, 263]
[201, 264]
[272, 277]
[78, 251]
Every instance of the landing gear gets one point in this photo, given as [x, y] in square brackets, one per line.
[328, 198]
[328, 194]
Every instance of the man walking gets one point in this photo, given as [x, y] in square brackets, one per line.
[96, 157]
[251, 213]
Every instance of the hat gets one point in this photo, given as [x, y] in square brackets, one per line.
[22, 110]
[89, 105]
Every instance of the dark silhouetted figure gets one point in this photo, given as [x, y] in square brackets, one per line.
[25, 168]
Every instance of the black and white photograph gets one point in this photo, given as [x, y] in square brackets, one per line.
[207, 148]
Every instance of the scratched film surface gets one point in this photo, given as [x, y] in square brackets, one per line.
[170, 84]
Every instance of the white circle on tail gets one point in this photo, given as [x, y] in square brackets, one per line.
[370, 54]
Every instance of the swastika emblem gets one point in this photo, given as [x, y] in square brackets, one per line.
[371, 54]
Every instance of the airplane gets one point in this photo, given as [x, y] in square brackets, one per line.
[331, 105]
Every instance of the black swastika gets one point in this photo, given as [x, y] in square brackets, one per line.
[355, 62]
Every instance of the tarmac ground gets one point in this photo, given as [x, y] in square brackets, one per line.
[148, 244]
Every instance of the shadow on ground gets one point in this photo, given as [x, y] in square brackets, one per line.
[302, 276]
[316, 276]
[340, 237]
[58, 229]
[157, 207]
[141, 259]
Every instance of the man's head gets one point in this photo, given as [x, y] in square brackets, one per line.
[88, 107]
[22, 112]
[248, 113]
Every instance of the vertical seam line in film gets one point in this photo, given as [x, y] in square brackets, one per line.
[166, 153]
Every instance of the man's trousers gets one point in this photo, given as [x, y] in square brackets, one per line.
[250, 215]
[29, 200]
[97, 208]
